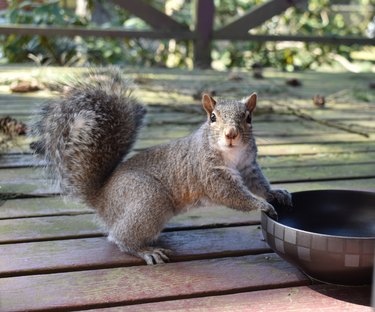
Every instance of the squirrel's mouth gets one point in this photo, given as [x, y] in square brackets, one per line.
[231, 144]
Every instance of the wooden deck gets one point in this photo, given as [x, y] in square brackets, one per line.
[54, 257]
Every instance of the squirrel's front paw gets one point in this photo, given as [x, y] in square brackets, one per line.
[268, 209]
[283, 197]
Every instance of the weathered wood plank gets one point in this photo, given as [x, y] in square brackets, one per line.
[37, 207]
[17, 191]
[81, 226]
[340, 101]
[267, 146]
[294, 149]
[25, 186]
[291, 299]
[35, 229]
[302, 144]
[338, 85]
[12, 161]
[308, 149]
[344, 115]
[367, 124]
[320, 173]
[31, 181]
[278, 129]
[8, 161]
[18, 161]
[178, 131]
[264, 150]
[21, 175]
[324, 159]
[105, 287]
[32, 207]
[90, 253]
[274, 127]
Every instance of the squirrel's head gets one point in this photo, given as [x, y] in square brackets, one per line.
[230, 121]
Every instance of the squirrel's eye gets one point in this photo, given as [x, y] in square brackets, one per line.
[248, 119]
[213, 117]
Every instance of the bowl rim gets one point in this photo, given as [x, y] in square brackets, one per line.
[321, 234]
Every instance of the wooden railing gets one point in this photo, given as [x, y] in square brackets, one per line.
[165, 27]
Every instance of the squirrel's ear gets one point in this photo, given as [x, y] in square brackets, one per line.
[251, 102]
[208, 103]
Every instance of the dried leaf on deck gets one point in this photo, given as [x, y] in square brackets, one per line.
[23, 86]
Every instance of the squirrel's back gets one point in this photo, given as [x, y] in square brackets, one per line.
[86, 133]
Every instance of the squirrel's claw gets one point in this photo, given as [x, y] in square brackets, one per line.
[154, 255]
[269, 210]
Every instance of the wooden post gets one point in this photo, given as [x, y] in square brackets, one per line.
[203, 15]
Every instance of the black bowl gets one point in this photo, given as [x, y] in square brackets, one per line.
[328, 234]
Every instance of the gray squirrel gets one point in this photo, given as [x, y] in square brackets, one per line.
[86, 135]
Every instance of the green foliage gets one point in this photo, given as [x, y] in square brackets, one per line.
[39, 48]
[321, 18]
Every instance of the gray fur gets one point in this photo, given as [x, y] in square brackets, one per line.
[85, 136]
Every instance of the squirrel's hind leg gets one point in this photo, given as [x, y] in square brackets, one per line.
[152, 255]
[140, 243]
[140, 222]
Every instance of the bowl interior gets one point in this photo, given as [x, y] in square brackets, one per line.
[331, 212]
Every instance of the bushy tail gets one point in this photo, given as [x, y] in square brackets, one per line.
[86, 133]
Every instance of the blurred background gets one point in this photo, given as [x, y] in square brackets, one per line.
[314, 18]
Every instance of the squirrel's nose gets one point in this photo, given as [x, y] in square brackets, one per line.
[231, 133]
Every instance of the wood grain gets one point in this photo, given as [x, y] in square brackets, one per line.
[20, 208]
[8, 161]
[80, 226]
[31, 181]
[47, 228]
[100, 288]
[327, 298]
[32, 207]
[89, 253]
